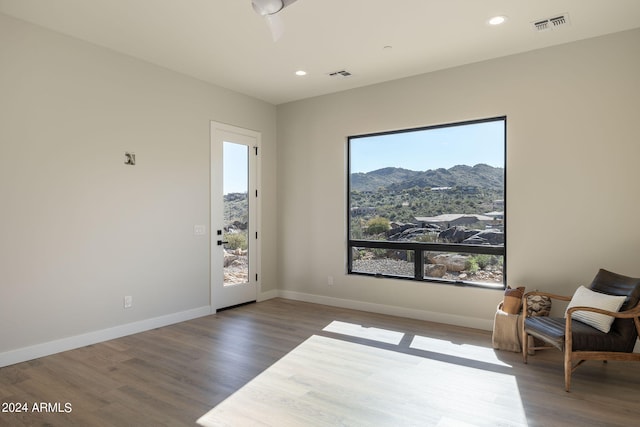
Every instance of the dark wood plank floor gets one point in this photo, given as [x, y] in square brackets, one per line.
[173, 375]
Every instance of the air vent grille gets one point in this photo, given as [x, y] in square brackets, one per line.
[341, 73]
[553, 23]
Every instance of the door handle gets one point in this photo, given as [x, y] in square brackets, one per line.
[220, 242]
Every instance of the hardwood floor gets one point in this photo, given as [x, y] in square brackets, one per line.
[172, 376]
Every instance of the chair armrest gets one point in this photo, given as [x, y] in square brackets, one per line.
[627, 314]
[550, 295]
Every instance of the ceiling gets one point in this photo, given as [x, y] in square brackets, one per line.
[226, 43]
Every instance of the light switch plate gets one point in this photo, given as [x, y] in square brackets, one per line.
[199, 230]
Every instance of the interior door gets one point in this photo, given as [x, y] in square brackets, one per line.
[234, 215]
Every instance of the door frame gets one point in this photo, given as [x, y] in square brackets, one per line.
[255, 220]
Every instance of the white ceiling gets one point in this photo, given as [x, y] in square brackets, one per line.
[226, 43]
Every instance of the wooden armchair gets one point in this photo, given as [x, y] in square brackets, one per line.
[578, 340]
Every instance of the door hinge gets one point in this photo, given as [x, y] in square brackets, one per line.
[256, 277]
[256, 150]
[256, 193]
[256, 234]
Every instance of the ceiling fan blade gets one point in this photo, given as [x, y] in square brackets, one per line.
[267, 7]
[276, 25]
[271, 9]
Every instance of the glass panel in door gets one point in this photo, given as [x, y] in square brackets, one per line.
[236, 213]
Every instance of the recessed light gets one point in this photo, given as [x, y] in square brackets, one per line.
[497, 20]
[301, 73]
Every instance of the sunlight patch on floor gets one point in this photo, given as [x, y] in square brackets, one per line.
[359, 331]
[327, 382]
[465, 351]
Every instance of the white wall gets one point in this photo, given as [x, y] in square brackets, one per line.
[79, 229]
[572, 203]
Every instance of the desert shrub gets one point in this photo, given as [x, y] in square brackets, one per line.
[484, 260]
[236, 240]
[377, 225]
[472, 265]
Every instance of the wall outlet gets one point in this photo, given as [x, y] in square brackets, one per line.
[330, 280]
[128, 301]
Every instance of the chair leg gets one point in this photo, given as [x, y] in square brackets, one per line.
[523, 334]
[568, 350]
[568, 368]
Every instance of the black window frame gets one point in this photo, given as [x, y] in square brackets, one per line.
[418, 248]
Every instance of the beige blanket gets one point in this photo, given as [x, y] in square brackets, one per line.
[507, 331]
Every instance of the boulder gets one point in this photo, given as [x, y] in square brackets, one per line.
[486, 237]
[399, 229]
[456, 234]
[435, 270]
[411, 234]
[229, 258]
[453, 262]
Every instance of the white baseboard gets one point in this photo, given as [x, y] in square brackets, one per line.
[52, 347]
[431, 316]
[45, 349]
[263, 296]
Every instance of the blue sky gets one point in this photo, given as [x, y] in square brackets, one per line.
[235, 167]
[419, 151]
[431, 149]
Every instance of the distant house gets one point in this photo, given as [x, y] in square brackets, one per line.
[451, 220]
[357, 211]
[468, 189]
[497, 215]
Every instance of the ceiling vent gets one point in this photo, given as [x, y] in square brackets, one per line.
[341, 73]
[547, 24]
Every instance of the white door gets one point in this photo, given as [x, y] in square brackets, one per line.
[234, 215]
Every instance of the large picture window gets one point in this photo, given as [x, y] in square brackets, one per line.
[429, 203]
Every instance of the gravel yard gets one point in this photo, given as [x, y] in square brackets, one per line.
[396, 267]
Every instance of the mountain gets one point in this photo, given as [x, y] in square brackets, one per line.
[397, 179]
[371, 181]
